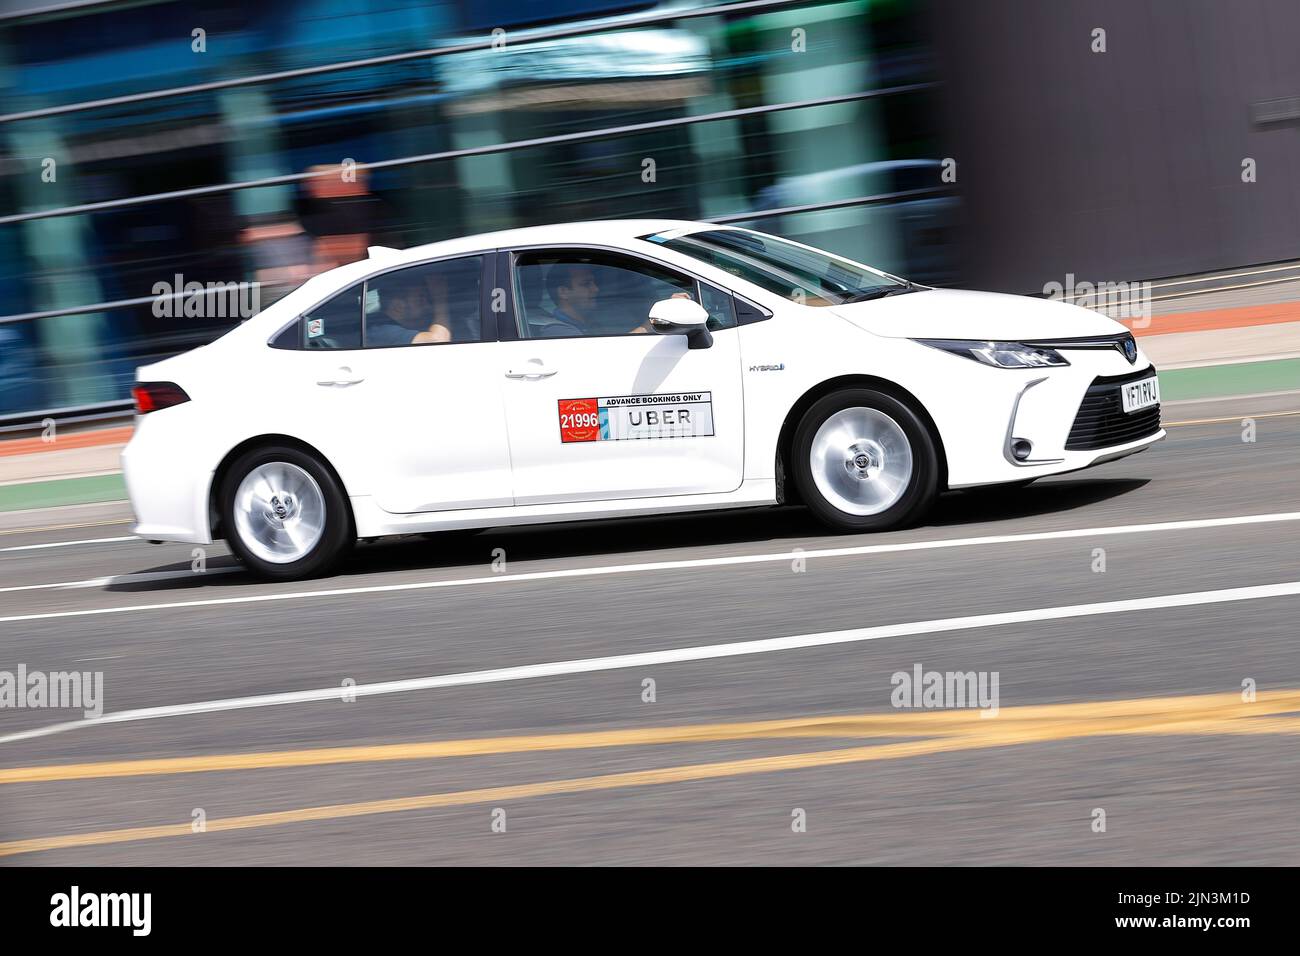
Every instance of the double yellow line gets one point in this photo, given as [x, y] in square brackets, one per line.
[937, 732]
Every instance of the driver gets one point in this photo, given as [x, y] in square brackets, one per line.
[575, 293]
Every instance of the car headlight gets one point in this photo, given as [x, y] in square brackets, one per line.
[999, 354]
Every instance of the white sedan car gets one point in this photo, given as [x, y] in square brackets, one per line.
[615, 368]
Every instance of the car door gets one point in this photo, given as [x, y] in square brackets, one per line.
[400, 382]
[598, 407]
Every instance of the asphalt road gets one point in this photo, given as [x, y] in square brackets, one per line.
[552, 753]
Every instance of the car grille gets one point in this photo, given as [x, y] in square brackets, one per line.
[1101, 421]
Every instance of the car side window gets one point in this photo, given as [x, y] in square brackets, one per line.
[720, 306]
[335, 323]
[429, 304]
[565, 294]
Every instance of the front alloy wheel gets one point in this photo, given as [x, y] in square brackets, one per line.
[865, 461]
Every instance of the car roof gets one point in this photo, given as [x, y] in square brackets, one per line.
[594, 232]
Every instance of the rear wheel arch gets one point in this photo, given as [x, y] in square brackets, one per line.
[787, 490]
[265, 441]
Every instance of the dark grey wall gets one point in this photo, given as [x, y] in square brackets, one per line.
[1124, 164]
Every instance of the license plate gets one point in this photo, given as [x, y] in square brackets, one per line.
[1138, 395]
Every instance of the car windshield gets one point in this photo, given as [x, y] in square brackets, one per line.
[799, 274]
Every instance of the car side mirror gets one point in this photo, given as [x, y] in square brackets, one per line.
[682, 317]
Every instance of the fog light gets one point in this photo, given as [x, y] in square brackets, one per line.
[1021, 448]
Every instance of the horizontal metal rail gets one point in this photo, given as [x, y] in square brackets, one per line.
[52, 9]
[530, 36]
[118, 304]
[19, 422]
[576, 137]
[832, 204]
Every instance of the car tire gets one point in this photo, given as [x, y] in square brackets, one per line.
[865, 461]
[284, 515]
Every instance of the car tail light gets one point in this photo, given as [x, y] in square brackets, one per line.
[151, 396]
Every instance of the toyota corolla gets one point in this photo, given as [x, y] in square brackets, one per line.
[607, 369]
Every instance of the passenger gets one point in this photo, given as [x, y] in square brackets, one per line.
[405, 317]
[464, 326]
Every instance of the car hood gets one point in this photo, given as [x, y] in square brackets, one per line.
[958, 314]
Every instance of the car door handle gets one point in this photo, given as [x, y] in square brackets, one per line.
[345, 377]
[533, 374]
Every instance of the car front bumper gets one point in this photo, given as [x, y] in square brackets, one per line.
[1070, 416]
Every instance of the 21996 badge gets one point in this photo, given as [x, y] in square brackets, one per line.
[628, 417]
[579, 419]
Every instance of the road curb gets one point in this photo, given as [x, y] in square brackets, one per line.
[94, 514]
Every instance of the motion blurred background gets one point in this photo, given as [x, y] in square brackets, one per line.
[142, 140]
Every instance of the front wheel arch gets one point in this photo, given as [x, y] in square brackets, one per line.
[786, 489]
[259, 441]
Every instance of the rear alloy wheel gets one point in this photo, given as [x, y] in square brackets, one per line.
[284, 515]
[864, 461]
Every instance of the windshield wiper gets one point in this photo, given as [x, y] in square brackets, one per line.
[865, 295]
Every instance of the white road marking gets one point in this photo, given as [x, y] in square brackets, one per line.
[1228, 275]
[675, 656]
[144, 577]
[1231, 418]
[1168, 366]
[69, 544]
[65, 476]
[739, 559]
[59, 527]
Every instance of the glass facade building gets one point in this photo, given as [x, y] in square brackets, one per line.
[511, 114]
